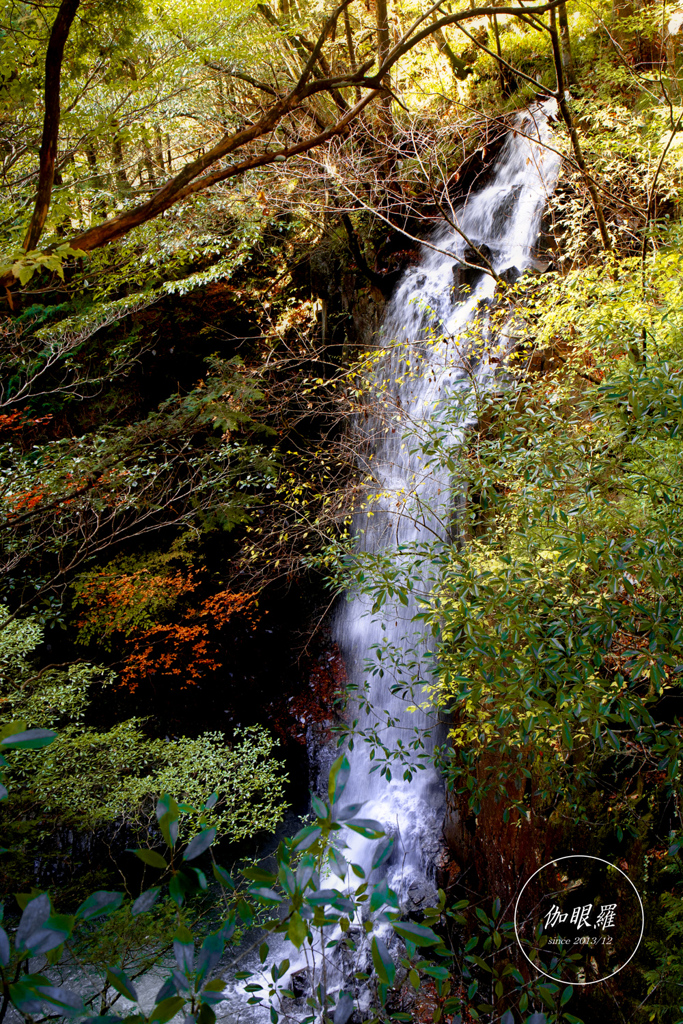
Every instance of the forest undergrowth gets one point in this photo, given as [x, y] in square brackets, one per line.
[188, 346]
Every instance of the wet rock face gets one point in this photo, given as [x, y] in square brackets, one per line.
[510, 275]
[322, 751]
[467, 273]
[421, 893]
[300, 983]
[497, 856]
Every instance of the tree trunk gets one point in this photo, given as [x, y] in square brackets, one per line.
[148, 162]
[117, 160]
[385, 126]
[458, 66]
[622, 9]
[506, 80]
[671, 44]
[574, 135]
[567, 59]
[48, 146]
[350, 48]
[159, 148]
[382, 16]
[100, 205]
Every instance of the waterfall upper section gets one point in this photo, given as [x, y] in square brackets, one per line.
[434, 347]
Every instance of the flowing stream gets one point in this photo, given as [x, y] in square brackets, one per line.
[429, 351]
[429, 355]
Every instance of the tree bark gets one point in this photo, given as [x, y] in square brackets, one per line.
[98, 181]
[458, 66]
[159, 147]
[118, 161]
[382, 16]
[192, 177]
[48, 146]
[147, 161]
[574, 135]
[350, 48]
[358, 256]
[567, 59]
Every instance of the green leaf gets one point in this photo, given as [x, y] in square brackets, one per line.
[99, 904]
[119, 980]
[31, 739]
[222, 876]
[145, 901]
[547, 996]
[168, 823]
[36, 912]
[19, 725]
[38, 933]
[338, 778]
[56, 930]
[23, 994]
[381, 959]
[245, 912]
[320, 809]
[265, 896]
[416, 933]
[306, 837]
[210, 954]
[256, 874]
[200, 843]
[297, 930]
[206, 1014]
[183, 948]
[338, 863]
[151, 857]
[366, 827]
[383, 852]
[166, 1009]
[436, 971]
[177, 888]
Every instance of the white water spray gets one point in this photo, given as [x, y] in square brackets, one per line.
[426, 327]
[425, 332]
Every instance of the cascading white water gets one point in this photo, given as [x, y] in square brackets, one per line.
[425, 335]
[428, 355]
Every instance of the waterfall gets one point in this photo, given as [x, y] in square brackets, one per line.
[425, 356]
[409, 503]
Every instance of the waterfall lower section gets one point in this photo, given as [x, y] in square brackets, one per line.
[430, 352]
[428, 356]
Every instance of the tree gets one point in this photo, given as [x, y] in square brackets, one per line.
[48, 147]
[309, 81]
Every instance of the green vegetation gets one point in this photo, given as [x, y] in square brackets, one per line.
[203, 209]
